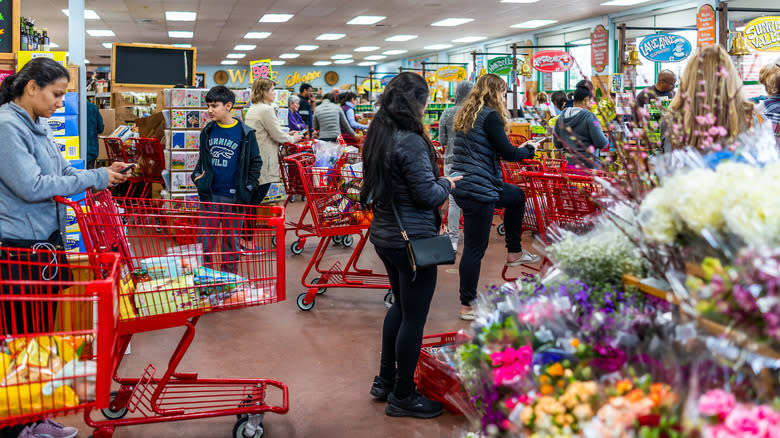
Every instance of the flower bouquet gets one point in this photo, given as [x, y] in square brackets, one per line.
[724, 417]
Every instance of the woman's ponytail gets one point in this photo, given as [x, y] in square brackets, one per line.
[6, 89]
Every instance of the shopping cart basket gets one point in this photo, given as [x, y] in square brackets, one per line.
[292, 183]
[512, 172]
[333, 195]
[169, 284]
[57, 312]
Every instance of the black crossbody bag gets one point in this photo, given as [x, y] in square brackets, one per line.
[430, 251]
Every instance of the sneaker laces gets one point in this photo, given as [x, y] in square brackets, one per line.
[54, 423]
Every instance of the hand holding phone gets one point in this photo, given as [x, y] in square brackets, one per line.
[126, 169]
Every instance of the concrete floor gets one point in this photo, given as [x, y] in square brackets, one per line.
[327, 356]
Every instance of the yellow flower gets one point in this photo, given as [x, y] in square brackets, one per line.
[527, 415]
[547, 389]
[543, 379]
[583, 412]
[561, 384]
[575, 342]
[624, 386]
[555, 370]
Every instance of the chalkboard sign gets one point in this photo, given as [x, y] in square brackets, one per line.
[148, 64]
[8, 28]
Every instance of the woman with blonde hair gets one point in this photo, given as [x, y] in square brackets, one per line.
[710, 108]
[769, 76]
[480, 143]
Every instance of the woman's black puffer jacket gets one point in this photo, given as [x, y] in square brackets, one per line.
[417, 193]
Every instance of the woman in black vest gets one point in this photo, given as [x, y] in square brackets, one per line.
[400, 172]
[480, 142]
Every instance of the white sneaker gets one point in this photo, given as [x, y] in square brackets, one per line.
[526, 258]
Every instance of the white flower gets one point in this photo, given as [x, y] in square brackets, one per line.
[655, 216]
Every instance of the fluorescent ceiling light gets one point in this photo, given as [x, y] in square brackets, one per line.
[257, 35]
[449, 22]
[519, 1]
[89, 14]
[623, 2]
[375, 57]
[394, 52]
[307, 47]
[469, 39]
[366, 20]
[319, 63]
[341, 56]
[180, 16]
[366, 63]
[532, 24]
[183, 45]
[275, 18]
[245, 47]
[401, 37]
[53, 45]
[106, 45]
[289, 55]
[582, 41]
[86, 61]
[344, 61]
[180, 34]
[229, 62]
[438, 47]
[277, 62]
[367, 48]
[100, 33]
[331, 36]
[236, 55]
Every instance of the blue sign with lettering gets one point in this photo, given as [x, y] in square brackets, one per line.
[386, 79]
[664, 47]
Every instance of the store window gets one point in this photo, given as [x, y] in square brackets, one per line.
[582, 68]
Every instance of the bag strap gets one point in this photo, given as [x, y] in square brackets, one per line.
[410, 253]
[400, 225]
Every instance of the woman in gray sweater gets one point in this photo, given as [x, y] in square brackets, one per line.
[329, 118]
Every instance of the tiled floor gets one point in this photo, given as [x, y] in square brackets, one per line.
[327, 356]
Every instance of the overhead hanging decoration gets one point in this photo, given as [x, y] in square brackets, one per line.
[763, 34]
[525, 69]
[664, 47]
[500, 66]
[450, 73]
[553, 61]
[599, 48]
[261, 69]
[372, 86]
[739, 45]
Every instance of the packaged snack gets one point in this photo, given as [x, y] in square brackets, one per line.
[162, 267]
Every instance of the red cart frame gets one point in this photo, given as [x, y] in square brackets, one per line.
[170, 239]
[55, 331]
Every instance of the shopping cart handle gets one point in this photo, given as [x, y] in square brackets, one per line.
[63, 200]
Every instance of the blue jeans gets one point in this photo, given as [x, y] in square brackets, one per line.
[220, 220]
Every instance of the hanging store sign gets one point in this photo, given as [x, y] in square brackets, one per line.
[449, 73]
[553, 61]
[705, 26]
[763, 34]
[664, 47]
[372, 86]
[500, 66]
[386, 79]
[24, 56]
[261, 69]
[298, 78]
[599, 48]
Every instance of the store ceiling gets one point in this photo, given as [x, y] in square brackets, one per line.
[222, 24]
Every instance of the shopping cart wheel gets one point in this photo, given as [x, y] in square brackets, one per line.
[348, 241]
[321, 290]
[292, 198]
[296, 248]
[338, 240]
[500, 230]
[302, 305]
[114, 412]
[239, 429]
[389, 299]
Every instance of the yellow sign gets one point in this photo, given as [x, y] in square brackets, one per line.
[24, 56]
[372, 86]
[763, 34]
[297, 78]
[261, 69]
[449, 73]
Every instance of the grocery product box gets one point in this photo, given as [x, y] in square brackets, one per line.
[69, 147]
[70, 105]
[67, 126]
[73, 242]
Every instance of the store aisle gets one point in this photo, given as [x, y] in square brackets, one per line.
[328, 356]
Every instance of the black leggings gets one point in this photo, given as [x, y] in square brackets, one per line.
[405, 321]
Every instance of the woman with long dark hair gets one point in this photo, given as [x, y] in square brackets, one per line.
[400, 172]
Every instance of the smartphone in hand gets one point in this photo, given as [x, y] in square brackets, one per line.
[126, 169]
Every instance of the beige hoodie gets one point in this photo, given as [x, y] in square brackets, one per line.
[262, 118]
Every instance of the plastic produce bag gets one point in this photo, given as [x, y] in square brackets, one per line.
[327, 153]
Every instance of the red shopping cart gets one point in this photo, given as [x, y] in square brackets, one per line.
[513, 174]
[58, 320]
[292, 183]
[333, 195]
[169, 284]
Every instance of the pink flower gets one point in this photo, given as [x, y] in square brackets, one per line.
[719, 431]
[511, 364]
[717, 147]
[744, 422]
[767, 413]
[716, 402]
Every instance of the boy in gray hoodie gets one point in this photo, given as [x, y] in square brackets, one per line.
[578, 129]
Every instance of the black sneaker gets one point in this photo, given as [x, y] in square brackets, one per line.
[413, 406]
[381, 388]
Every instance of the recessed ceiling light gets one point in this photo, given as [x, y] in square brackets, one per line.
[331, 36]
[180, 16]
[307, 47]
[257, 35]
[86, 61]
[366, 63]
[449, 22]
[100, 33]
[394, 52]
[532, 24]
[366, 19]
[375, 57]
[469, 39]
[229, 62]
[438, 47]
[277, 62]
[275, 18]
[344, 61]
[582, 41]
[289, 55]
[183, 45]
[245, 47]
[623, 2]
[106, 45]
[236, 55]
[180, 34]
[341, 56]
[519, 1]
[319, 63]
[53, 45]
[367, 48]
[401, 37]
[89, 14]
